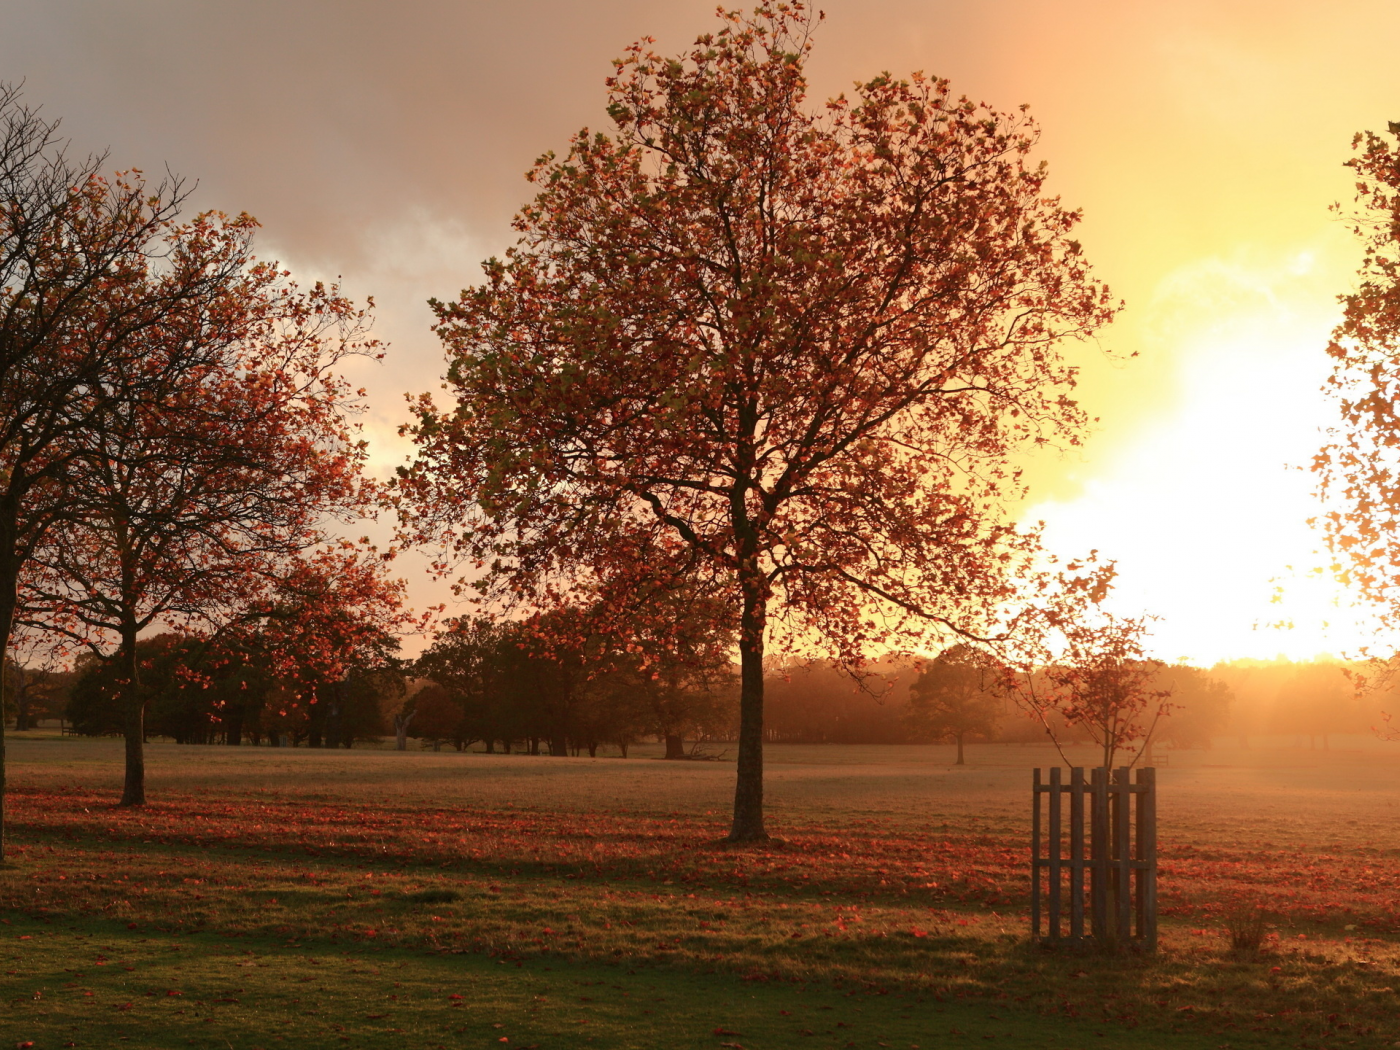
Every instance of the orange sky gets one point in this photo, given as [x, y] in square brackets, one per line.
[385, 142]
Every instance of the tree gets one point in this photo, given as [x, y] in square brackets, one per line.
[1358, 468]
[788, 353]
[957, 694]
[174, 689]
[1200, 706]
[183, 504]
[1316, 700]
[32, 674]
[437, 717]
[84, 273]
[465, 661]
[1103, 683]
[822, 702]
[678, 661]
[329, 636]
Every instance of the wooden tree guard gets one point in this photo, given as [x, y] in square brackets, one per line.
[1121, 861]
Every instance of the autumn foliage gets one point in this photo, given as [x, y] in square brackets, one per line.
[1101, 682]
[186, 502]
[781, 351]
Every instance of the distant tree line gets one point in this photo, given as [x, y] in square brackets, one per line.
[502, 688]
[566, 688]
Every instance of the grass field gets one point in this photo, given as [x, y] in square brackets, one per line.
[296, 898]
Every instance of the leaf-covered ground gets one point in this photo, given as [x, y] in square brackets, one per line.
[913, 913]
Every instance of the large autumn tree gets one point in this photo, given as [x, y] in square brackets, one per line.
[789, 349]
[1358, 469]
[84, 272]
[182, 504]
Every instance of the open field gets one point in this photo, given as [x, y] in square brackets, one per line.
[321, 898]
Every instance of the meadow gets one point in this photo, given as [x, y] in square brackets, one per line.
[368, 898]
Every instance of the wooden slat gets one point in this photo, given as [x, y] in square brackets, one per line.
[1147, 856]
[1122, 842]
[1035, 857]
[1076, 853]
[1099, 851]
[1053, 844]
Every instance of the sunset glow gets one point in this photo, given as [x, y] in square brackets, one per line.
[1203, 141]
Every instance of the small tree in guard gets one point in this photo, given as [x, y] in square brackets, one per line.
[1119, 857]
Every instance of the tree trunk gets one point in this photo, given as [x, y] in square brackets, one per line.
[558, 747]
[333, 714]
[748, 785]
[593, 749]
[622, 746]
[490, 747]
[134, 789]
[960, 751]
[401, 731]
[675, 746]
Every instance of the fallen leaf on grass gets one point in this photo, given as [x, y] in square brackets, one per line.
[726, 1031]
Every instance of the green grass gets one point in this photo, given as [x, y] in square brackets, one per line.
[312, 887]
[90, 986]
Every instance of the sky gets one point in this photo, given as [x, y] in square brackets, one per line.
[385, 143]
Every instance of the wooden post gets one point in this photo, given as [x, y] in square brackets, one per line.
[1035, 857]
[1147, 858]
[1053, 926]
[1076, 853]
[1122, 852]
[1098, 838]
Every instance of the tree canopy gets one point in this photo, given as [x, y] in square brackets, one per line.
[958, 693]
[788, 351]
[1358, 468]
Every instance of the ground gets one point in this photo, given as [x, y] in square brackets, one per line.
[296, 898]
